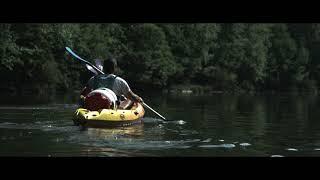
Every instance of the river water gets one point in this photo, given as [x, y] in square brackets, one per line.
[274, 125]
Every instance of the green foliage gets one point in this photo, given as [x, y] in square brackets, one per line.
[148, 58]
[243, 51]
[226, 57]
[282, 56]
[9, 51]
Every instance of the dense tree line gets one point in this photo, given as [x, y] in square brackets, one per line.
[226, 57]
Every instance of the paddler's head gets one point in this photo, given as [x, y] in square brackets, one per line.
[110, 65]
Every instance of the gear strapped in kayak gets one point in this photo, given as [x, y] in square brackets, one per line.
[102, 98]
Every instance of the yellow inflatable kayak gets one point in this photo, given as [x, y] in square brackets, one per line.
[109, 117]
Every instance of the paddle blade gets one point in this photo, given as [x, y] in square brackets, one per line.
[91, 69]
[75, 55]
[99, 64]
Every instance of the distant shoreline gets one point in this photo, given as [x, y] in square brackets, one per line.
[175, 90]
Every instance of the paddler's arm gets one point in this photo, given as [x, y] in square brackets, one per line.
[87, 89]
[134, 97]
[126, 91]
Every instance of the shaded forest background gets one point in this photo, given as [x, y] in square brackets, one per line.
[235, 57]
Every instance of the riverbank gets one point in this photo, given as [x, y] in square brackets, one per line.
[187, 89]
[198, 89]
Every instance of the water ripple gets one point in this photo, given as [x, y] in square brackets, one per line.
[207, 140]
[276, 156]
[291, 149]
[218, 146]
[244, 144]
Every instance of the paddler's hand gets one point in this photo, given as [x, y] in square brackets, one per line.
[139, 100]
[82, 97]
[135, 98]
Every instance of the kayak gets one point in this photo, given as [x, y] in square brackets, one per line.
[109, 117]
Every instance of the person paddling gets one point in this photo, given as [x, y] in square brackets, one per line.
[115, 83]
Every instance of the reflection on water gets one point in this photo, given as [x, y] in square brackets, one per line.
[135, 131]
[218, 125]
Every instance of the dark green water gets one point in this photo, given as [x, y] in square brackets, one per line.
[216, 125]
